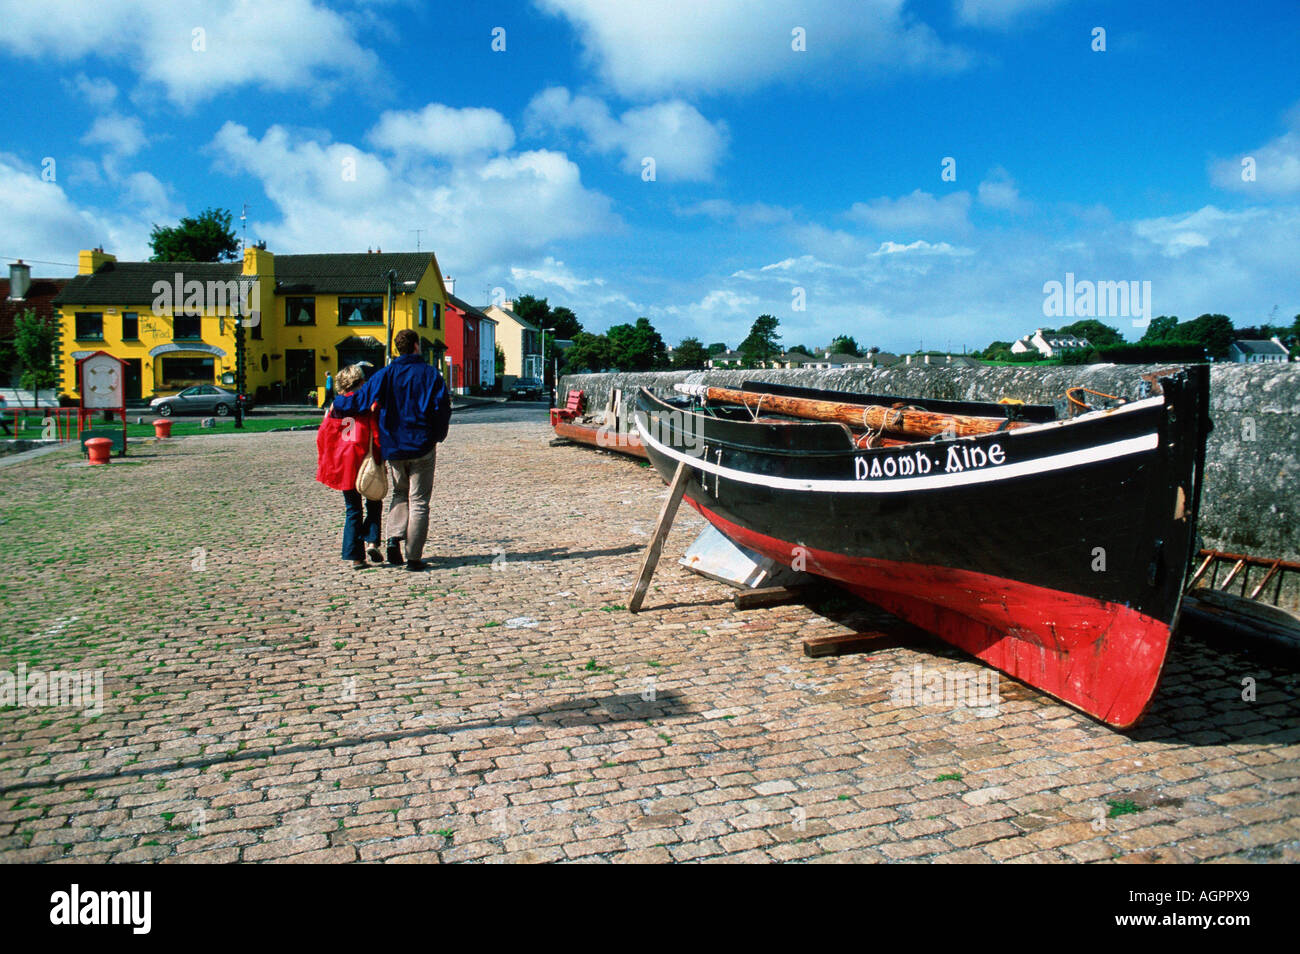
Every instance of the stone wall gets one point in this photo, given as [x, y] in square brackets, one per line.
[1252, 476]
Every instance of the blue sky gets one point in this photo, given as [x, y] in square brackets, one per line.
[782, 176]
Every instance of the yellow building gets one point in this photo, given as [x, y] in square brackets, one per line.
[304, 316]
[519, 340]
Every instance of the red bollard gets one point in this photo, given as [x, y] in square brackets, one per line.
[99, 448]
[162, 428]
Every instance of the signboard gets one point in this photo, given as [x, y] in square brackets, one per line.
[103, 384]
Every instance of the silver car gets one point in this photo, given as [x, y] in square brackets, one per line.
[200, 399]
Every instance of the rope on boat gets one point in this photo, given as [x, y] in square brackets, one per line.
[1084, 406]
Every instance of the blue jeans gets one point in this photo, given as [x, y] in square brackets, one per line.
[359, 530]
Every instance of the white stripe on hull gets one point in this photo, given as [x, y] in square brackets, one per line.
[983, 475]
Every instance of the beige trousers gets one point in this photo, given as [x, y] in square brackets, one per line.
[411, 482]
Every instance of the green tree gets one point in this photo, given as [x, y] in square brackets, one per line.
[844, 344]
[1213, 331]
[761, 345]
[565, 323]
[535, 311]
[209, 237]
[719, 346]
[637, 347]
[500, 361]
[690, 355]
[802, 349]
[589, 353]
[1164, 328]
[34, 341]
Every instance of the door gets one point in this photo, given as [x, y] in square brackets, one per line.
[299, 372]
[133, 379]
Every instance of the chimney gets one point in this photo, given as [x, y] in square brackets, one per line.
[90, 260]
[450, 282]
[20, 279]
[508, 305]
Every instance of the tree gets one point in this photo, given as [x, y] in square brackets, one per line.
[500, 361]
[801, 349]
[1212, 331]
[565, 323]
[718, 347]
[1097, 334]
[690, 355]
[207, 238]
[1163, 328]
[589, 353]
[34, 341]
[761, 345]
[844, 344]
[637, 347]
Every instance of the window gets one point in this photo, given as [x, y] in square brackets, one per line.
[424, 313]
[361, 311]
[130, 326]
[90, 326]
[437, 316]
[255, 331]
[185, 372]
[300, 311]
[187, 326]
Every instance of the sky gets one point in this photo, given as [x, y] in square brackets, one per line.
[909, 173]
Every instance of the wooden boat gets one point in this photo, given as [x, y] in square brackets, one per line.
[1053, 550]
[597, 435]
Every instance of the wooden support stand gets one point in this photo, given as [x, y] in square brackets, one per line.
[651, 560]
[855, 643]
[772, 596]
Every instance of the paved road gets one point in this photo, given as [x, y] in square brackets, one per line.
[265, 702]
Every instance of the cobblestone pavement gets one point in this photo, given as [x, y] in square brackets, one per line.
[265, 702]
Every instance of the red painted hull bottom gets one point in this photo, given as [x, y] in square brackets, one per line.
[1100, 657]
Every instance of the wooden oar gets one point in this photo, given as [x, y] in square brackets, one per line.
[873, 417]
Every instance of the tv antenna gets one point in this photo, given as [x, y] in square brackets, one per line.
[417, 237]
[243, 228]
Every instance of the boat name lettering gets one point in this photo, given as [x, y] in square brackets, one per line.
[919, 462]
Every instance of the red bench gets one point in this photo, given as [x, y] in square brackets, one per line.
[572, 408]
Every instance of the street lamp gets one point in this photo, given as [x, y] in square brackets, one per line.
[550, 398]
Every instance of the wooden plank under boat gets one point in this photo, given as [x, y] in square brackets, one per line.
[1055, 551]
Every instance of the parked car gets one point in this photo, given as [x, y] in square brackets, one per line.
[526, 388]
[200, 399]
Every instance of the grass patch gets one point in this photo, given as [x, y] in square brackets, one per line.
[949, 777]
[1122, 806]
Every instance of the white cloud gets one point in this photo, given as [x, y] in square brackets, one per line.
[1176, 234]
[120, 135]
[439, 130]
[645, 49]
[42, 222]
[552, 273]
[98, 92]
[1276, 165]
[478, 214]
[917, 212]
[683, 144]
[747, 214]
[195, 49]
[999, 191]
[999, 13]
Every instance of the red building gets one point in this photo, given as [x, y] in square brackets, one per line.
[18, 294]
[464, 322]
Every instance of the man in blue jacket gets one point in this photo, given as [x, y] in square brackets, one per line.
[414, 413]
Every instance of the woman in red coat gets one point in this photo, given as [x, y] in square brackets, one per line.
[341, 445]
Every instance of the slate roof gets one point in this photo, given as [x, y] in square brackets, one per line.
[527, 325]
[348, 272]
[1258, 346]
[361, 273]
[131, 283]
[469, 309]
